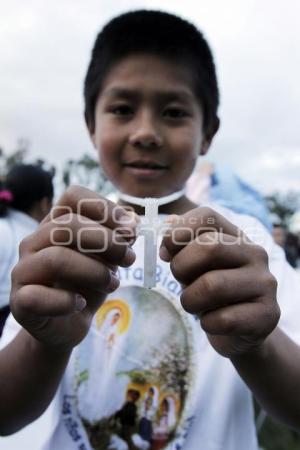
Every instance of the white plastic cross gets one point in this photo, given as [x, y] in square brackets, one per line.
[149, 229]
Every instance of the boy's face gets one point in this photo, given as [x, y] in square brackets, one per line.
[148, 126]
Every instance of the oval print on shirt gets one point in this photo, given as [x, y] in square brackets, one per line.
[135, 380]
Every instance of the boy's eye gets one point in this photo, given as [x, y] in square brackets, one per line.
[175, 113]
[121, 110]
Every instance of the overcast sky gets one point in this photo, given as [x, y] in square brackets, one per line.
[44, 52]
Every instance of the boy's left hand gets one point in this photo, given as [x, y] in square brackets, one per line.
[225, 278]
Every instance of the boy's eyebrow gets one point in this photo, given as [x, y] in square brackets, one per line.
[134, 94]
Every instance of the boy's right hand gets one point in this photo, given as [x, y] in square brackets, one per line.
[66, 267]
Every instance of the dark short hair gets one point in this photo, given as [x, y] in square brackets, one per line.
[164, 35]
[28, 184]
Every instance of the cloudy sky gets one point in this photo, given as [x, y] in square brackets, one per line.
[44, 51]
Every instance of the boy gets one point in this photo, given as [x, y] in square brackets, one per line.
[151, 102]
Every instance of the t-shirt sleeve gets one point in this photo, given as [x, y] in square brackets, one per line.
[288, 293]
[8, 258]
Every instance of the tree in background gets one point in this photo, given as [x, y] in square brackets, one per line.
[282, 206]
[18, 156]
[86, 172]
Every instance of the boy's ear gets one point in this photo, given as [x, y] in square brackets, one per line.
[209, 135]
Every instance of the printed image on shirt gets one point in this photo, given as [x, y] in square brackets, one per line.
[134, 377]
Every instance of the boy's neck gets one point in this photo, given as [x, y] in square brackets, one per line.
[180, 206]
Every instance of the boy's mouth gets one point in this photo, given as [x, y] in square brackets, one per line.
[145, 168]
[145, 164]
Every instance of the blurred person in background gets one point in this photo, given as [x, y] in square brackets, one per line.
[26, 196]
[294, 229]
[288, 241]
[279, 234]
[218, 183]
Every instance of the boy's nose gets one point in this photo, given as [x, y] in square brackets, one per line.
[146, 134]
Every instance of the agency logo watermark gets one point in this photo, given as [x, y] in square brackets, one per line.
[111, 226]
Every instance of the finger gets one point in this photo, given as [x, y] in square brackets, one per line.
[250, 320]
[68, 268]
[219, 288]
[91, 238]
[209, 251]
[183, 229]
[89, 204]
[43, 301]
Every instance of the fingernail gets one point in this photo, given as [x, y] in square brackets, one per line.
[129, 257]
[114, 269]
[132, 240]
[128, 233]
[113, 284]
[80, 302]
[164, 254]
[128, 220]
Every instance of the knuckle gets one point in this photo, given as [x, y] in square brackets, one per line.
[206, 211]
[176, 268]
[28, 303]
[102, 207]
[207, 284]
[70, 198]
[270, 282]
[73, 193]
[227, 322]
[260, 254]
[277, 313]
[15, 273]
[22, 302]
[271, 318]
[267, 284]
[104, 276]
[25, 245]
[185, 300]
[208, 215]
[178, 236]
[168, 242]
[211, 245]
[63, 219]
[56, 259]
[61, 234]
[117, 245]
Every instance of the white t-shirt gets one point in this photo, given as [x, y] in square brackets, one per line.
[147, 366]
[13, 228]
